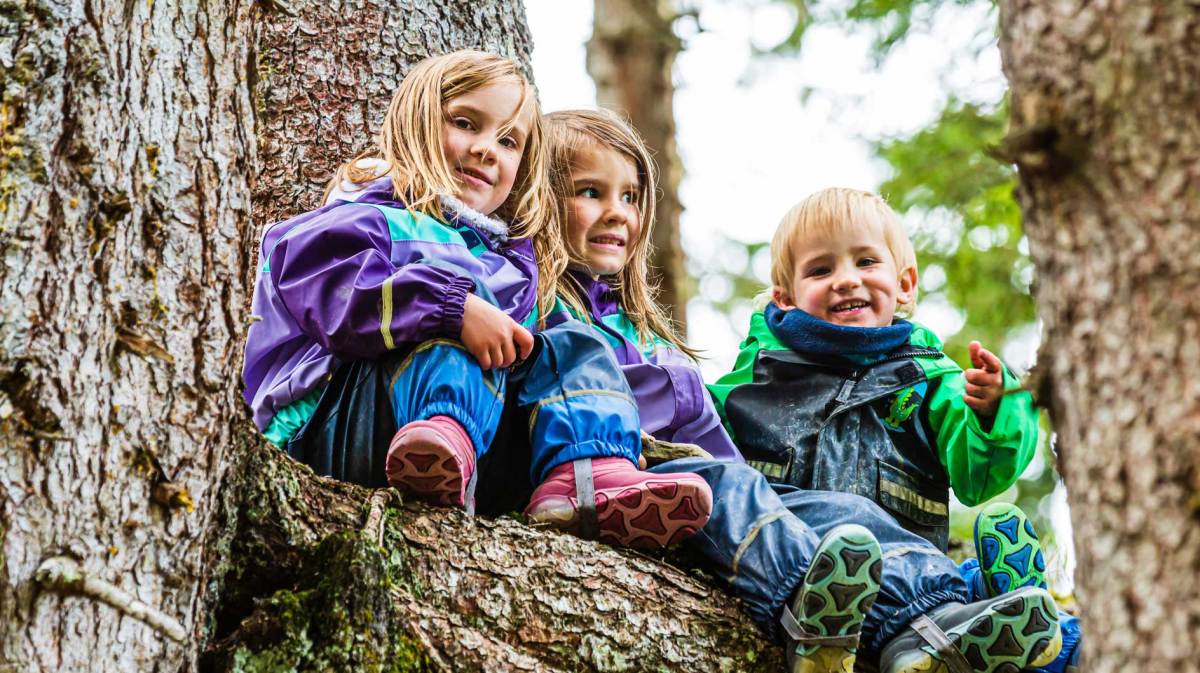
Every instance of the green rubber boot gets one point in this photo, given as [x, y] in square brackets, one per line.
[838, 590]
[1010, 556]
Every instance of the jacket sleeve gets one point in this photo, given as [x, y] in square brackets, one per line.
[982, 463]
[674, 406]
[335, 277]
[743, 372]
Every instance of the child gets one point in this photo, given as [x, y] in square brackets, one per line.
[819, 554]
[833, 391]
[604, 180]
[391, 323]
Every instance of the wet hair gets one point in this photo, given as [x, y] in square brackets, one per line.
[410, 143]
[828, 212]
[570, 131]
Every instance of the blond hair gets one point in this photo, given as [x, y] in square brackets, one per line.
[410, 142]
[568, 132]
[833, 210]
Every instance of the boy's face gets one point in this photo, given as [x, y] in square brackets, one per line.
[483, 156]
[603, 221]
[847, 278]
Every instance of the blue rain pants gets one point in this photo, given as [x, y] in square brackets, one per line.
[761, 537]
[567, 400]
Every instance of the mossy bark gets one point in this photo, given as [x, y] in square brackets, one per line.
[324, 576]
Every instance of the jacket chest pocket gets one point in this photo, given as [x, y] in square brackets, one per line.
[918, 505]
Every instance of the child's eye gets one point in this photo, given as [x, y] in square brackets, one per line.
[629, 197]
[868, 261]
[509, 142]
[816, 271]
[462, 123]
[589, 193]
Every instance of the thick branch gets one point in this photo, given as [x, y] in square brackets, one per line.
[448, 592]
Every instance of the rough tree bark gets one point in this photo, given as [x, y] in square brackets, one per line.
[630, 57]
[143, 524]
[128, 142]
[1106, 132]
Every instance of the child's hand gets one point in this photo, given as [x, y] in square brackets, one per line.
[493, 338]
[985, 383]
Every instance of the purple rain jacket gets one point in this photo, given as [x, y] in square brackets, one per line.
[355, 279]
[672, 400]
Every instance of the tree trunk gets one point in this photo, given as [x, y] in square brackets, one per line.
[128, 147]
[1106, 133]
[630, 58]
[143, 522]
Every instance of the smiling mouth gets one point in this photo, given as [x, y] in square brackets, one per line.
[608, 240]
[475, 175]
[849, 306]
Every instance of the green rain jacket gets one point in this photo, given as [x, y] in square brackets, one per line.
[896, 431]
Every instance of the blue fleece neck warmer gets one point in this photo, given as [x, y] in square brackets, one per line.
[802, 332]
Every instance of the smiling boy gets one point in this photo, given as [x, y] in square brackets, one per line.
[834, 391]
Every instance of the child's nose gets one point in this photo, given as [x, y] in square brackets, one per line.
[616, 212]
[846, 279]
[484, 148]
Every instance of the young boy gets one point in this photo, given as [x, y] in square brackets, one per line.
[833, 391]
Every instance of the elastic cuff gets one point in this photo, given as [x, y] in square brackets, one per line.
[448, 318]
[446, 408]
[895, 623]
[776, 603]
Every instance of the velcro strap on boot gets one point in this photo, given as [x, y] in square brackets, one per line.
[585, 498]
[469, 496]
[799, 633]
[934, 635]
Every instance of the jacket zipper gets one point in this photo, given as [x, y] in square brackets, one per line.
[856, 375]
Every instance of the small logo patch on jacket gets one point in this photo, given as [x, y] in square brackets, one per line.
[903, 405]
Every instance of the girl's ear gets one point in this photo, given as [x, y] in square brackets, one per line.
[781, 298]
[908, 286]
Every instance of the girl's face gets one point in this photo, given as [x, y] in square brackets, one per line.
[484, 158]
[603, 221]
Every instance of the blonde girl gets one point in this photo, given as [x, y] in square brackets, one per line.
[604, 181]
[393, 318]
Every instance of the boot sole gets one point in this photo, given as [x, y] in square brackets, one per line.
[838, 591]
[1010, 555]
[650, 515]
[421, 463]
[1018, 631]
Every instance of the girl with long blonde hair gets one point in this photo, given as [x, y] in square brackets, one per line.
[395, 338]
[604, 180]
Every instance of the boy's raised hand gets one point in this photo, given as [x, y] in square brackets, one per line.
[985, 381]
[491, 337]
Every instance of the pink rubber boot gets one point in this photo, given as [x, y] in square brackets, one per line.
[631, 508]
[432, 460]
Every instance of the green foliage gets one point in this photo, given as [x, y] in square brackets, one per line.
[891, 20]
[945, 169]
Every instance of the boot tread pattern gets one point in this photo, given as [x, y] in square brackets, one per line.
[1017, 632]
[838, 590]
